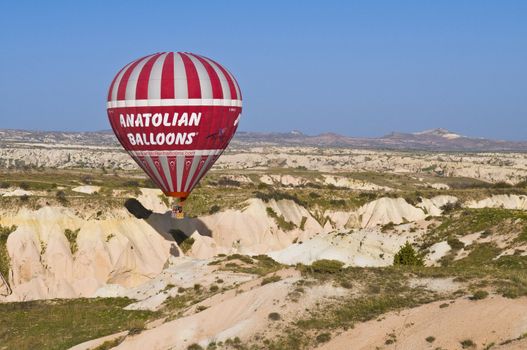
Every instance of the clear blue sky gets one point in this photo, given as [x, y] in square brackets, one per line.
[360, 68]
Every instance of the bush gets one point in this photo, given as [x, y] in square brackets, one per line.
[271, 279]
[388, 227]
[274, 316]
[323, 338]
[214, 209]
[4, 256]
[455, 243]
[450, 207]
[225, 182]
[467, 343]
[327, 266]
[195, 347]
[72, 238]
[277, 196]
[281, 222]
[408, 256]
[479, 294]
[186, 245]
[430, 339]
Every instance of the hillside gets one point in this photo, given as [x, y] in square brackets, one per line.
[428, 140]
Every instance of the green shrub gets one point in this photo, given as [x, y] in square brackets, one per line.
[467, 343]
[479, 294]
[323, 337]
[214, 209]
[281, 222]
[110, 344]
[408, 256]
[430, 339]
[327, 266]
[72, 238]
[455, 243]
[387, 227]
[274, 316]
[271, 279]
[186, 245]
[450, 207]
[4, 256]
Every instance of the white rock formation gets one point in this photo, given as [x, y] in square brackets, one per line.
[433, 205]
[506, 201]
[367, 247]
[86, 189]
[16, 192]
[341, 181]
[385, 210]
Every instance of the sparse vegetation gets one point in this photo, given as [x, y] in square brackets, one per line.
[281, 222]
[260, 265]
[326, 266]
[186, 245]
[4, 256]
[323, 337]
[71, 236]
[271, 279]
[479, 294]
[60, 324]
[467, 344]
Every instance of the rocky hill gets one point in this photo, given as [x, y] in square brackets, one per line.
[428, 140]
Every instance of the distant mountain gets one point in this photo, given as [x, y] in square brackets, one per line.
[429, 140]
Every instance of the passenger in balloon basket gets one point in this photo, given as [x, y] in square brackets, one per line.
[177, 210]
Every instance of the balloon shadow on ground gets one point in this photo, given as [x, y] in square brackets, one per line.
[170, 228]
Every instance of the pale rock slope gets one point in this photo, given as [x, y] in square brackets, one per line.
[506, 201]
[86, 189]
[340, 220]
[433, 205]
[15, 192]
[253, 231]
[245, 310]
[385, 210]
[120, 249]
[493, 320]
[113, 250]
[341, 181]
[284, 180]
[366, 247]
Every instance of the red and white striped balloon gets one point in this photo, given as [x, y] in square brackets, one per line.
[174, 113]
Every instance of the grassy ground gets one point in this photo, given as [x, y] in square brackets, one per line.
[60, 324]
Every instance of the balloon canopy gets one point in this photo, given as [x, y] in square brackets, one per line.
[174, 113]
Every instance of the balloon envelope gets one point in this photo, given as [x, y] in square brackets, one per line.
[174, 113]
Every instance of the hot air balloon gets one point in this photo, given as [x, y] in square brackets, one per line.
[174, 113]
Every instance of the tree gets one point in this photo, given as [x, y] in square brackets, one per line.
[408, 256]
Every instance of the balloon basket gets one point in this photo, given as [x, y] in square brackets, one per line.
[177, 212]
